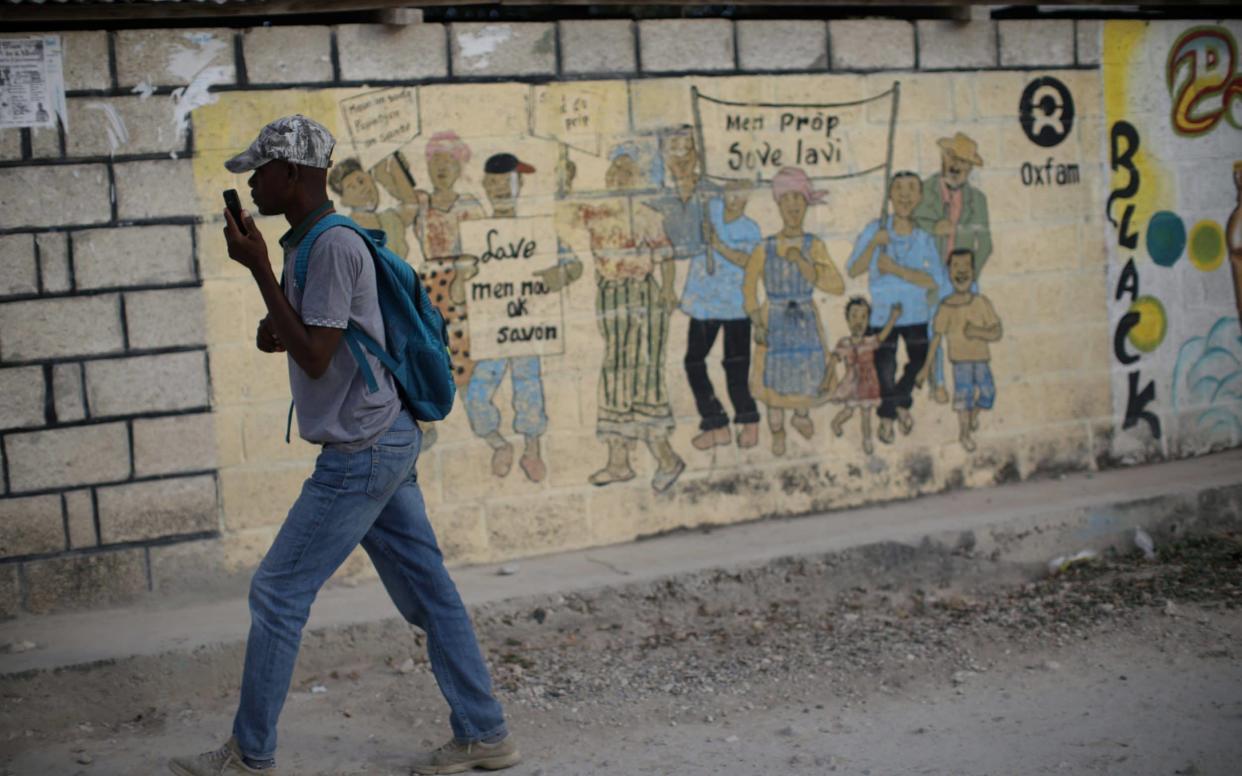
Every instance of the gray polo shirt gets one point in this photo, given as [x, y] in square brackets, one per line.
[336, 409]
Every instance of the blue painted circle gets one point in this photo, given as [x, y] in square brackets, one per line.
[1166, 238]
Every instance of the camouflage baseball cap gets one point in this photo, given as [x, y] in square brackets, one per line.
[293, 138]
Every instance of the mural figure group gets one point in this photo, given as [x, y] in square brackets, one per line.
[754, 293]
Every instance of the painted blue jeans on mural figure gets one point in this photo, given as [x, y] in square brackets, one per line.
[945, 289]
[529, 417]
[369, 497]
[973, 388]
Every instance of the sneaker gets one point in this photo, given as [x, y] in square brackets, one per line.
[221, 762]
[456, 756]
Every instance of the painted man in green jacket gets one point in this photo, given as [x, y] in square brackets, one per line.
[956, 215]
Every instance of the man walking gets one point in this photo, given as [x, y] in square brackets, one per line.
[364, 488]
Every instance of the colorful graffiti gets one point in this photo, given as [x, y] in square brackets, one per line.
[1167, 205]
[1203, 81]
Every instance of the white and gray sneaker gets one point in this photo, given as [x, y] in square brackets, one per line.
[225, 761]
[457, 756]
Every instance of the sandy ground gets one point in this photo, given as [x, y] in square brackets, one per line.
[1116, 667]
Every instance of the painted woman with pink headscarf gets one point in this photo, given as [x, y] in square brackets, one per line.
[791, 359]
[439, 231]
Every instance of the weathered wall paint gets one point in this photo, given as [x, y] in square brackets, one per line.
[593, 434]
[1174, 118]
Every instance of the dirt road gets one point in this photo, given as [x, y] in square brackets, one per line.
[1123, 666]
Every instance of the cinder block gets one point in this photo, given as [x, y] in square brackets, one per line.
[1036, 42]
[10, 591]
[949, 44]
[66, 457]
[462, 534]
[668, 45]
[54, 262]
[45, 143]
[182, 443]
[795, 44]
[504, 49]
[19, 273]
[100, 126]
[55, 195]
[383, 52]
[1088, 33]
[279, 55]
[260, 494]
[600, 46]
[85, 60]
[21, 397]
[130, 386]
[165, 319]
[198, 568]
[871, 44]
[30, 526]
[10, 144]
[85, 581]
[149, 510]
[84, 57]
[56, 328]
[133, 256]
[538, 524]
[155, 189]
[174, 57]
[68, 393]
[80, 508]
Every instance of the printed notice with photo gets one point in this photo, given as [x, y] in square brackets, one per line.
[32, 88]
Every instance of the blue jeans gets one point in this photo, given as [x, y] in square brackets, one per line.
[529, 417]
[371, 497]
[973, 388]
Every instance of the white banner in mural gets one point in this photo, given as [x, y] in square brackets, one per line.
[754, 140]
[32, 87]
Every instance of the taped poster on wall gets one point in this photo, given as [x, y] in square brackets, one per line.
[32, 84]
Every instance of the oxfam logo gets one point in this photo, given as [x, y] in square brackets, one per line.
[1046, 111]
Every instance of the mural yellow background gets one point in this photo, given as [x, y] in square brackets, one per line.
[1046, 279]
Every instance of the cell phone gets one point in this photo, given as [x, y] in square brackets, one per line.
[233, 203]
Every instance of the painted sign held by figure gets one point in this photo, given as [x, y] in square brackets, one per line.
[755, 140]
[381, 122]
[512, 312]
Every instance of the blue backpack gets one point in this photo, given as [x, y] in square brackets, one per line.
[416, 351]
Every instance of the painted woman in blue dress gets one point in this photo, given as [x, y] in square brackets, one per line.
[791, 358]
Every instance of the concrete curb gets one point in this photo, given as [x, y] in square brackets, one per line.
[1008, 531]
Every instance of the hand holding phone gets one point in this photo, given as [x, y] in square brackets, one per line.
[233, 203]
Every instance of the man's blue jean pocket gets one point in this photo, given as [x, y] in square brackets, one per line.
[392, 462]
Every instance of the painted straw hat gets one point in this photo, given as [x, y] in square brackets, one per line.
[962, 147]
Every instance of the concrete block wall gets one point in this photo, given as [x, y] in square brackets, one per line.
[107, 447]
[144, 435]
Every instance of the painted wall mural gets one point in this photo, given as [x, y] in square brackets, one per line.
[659, 289]
[1174, 112]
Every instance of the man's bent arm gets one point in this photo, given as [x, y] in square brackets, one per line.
[311, 347]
